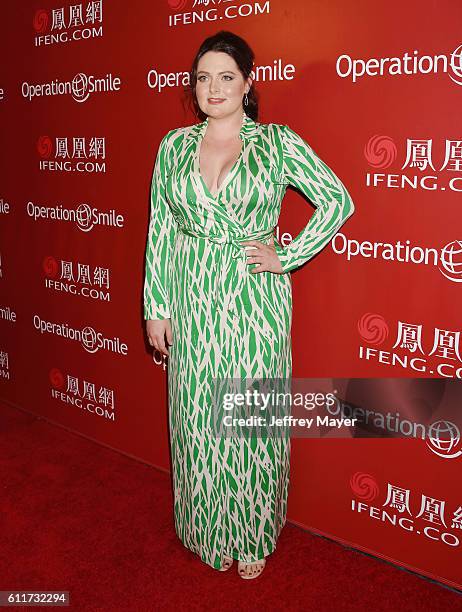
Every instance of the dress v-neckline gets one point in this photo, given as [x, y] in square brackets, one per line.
[231, 171]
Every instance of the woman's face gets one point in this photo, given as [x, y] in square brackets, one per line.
[218, 76]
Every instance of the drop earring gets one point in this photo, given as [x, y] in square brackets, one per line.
[246, 100]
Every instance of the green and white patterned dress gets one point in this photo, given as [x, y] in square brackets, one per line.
[230, 494]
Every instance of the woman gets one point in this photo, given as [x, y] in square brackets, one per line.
[218, 290]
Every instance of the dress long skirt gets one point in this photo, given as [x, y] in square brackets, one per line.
[230, 493]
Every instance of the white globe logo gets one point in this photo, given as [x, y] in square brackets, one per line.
[456, 65]
[89, 339]
[80, 87]
[443, 439]
[84, 218]
[451, 261]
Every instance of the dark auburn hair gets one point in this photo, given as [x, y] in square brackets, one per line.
[240, 51]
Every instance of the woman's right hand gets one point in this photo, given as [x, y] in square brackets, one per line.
[157, 330]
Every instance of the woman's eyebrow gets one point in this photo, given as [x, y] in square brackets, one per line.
[222, 72]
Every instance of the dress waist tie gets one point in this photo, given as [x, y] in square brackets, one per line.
[226, 237]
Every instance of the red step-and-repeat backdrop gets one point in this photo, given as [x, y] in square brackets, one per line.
[87, 91]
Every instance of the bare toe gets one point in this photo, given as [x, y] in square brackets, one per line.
[227, 563]
[250, 570]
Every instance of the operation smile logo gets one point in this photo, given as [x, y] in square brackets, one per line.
[442, 437]
[278, 70]
[91, 340]
[279, 405]
[79, 88]
[406, 65]
[447, 259]
[432, 520]
[85, 218]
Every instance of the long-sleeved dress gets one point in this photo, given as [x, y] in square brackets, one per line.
[230, 494]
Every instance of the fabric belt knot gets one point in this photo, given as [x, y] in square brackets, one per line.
[226, 237]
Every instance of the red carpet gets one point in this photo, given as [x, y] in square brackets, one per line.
[79, 517]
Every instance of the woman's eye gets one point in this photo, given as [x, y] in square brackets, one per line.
[203, 76]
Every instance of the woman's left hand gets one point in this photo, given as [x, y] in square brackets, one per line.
[263, 254]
